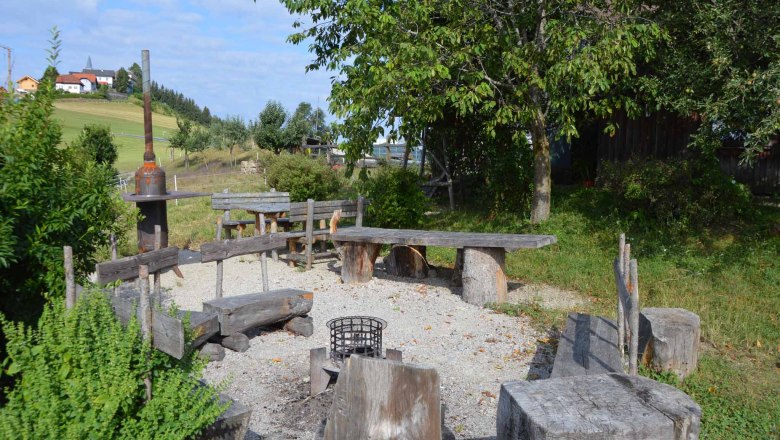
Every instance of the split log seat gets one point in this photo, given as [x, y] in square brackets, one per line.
[614, 406]
[669, 339]
[484, 279]
[243, 312]
[588, 346]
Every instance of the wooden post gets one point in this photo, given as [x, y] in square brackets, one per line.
[274, 230]
[357, 265]
[484, 279]
[70, 279]
[112, 239]
[309, 232]
[633, 351]
[157, 297]
[323, 243]
[146, 319]
[318, 377]
[263, 261]
[360, 208]
[627, 283]
[218, 293]
[621, 317]
[176, 187]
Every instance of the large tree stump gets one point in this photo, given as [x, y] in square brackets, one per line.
[484, 280]
[406, 261]
[669, 339]
[358, 261]
[378, 399]
[614, 406]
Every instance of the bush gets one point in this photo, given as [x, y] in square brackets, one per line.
[96, 143]
[676, 192]
[397, 200]
[304, 178]
[80, 373]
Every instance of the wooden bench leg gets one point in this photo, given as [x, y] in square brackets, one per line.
[358, 263]
[484, 279]
[292, 248]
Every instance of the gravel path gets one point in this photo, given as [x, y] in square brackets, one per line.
[473, 349]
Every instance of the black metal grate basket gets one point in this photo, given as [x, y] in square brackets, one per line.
[355, 335]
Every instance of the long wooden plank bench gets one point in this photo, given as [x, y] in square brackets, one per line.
[271, 203]
[484, 279]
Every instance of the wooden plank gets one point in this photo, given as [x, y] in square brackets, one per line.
[309, 232]
[221, 250]
[614, 406]
[127, 268]
[318, 377]
[265, 207]
[167, 331]
[510, 242]
[243, 312]
[228, 201]
[202, 325]
[588, 346]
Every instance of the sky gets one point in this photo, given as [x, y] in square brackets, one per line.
[229, 55]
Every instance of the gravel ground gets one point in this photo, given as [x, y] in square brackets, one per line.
[473, 349]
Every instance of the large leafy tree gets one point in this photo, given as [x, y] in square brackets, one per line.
[122, 80]
[299, 125]
[268, 132]
[518, 66]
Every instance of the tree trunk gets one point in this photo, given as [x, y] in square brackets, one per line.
[540, 210]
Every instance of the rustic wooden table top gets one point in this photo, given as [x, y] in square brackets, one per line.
[412, 237]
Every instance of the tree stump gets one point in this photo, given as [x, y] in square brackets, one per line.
[358, 263]
[669, 340]
[378, 399]
[406, 261]
[484, 280]
[614, 406]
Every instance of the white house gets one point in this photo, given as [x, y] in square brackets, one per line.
[103, 76]
[69, 84]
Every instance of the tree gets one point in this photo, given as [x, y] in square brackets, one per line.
[234, 133]
[317, 123]
[181, 138]
[137, 77]
[508, 66]
[50, 74]
[122, 80]
[299, 126]
[268, 132]
[96, 143]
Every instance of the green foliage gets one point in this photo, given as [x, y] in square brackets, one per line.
[50, 75]
[49, 198]
[122, 80]
[304, 178]
[55, 46]
[397, 200]
[677, 193]
[79, 374]
[96, 144]
[268, 132]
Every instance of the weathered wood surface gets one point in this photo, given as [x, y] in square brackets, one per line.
[378, 399]
[222, 250]
[212, 352]
[127, 268]
[167, 331]
[318, 377]
[324, 209]
[233, 424]
[300, 325]
[510, 242]
[588, 346]
[406, 261]
[237, 342]
[392, 354]
[273, 201]
[669, 339]
[483, 277]
[358, 261]
[242, 312]
[202, 325]
[614, 406]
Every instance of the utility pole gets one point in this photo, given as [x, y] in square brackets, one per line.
[10, 80]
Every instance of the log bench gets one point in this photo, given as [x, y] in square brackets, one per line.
[484, 279]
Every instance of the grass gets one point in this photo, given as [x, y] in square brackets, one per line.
[124, 118]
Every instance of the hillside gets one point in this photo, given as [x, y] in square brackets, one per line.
[127, 123]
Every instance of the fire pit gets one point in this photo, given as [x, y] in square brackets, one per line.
[360, 335]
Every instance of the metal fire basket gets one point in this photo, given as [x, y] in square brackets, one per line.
[360, 335]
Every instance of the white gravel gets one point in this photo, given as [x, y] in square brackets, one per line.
[473, 349]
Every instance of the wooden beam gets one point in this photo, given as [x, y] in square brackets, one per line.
[127, 268]
[243, 312]
[225, 249]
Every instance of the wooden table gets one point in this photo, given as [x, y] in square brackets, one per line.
[273, 211]
[484, 279]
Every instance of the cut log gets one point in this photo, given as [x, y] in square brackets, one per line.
[300, 325]
[406, 261]
[202, 325]
[233, 424]
[238, 342]
[669, 340]
[614, 406]
[379, 399]
[358, 261]
[588, 346]
[212, 352]
[243, 312]
[484, 280]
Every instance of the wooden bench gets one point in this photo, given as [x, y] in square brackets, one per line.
[310, 211]
[483, 254]
[271, 203]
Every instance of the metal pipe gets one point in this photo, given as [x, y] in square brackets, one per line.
[149, 147]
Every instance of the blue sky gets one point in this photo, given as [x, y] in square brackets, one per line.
[229, 55]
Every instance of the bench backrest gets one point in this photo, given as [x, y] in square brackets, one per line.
[127, 268]
[267, 201]
[324, 209]
[224, 249]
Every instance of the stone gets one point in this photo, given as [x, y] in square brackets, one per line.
[212, 352]
[300, 325]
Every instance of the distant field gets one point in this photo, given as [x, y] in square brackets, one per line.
[123, 118]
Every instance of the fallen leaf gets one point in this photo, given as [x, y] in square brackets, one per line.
[276, 360]
[491, 340]
[481, 350]
[758, 343]
[488, 394]
[427, 327]
[468, 335]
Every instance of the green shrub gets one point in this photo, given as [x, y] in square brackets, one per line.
[675, 192]
[397, 200]
[304, 178]
[95, 143]
[80, 373]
